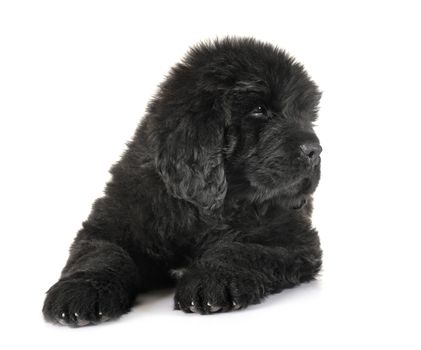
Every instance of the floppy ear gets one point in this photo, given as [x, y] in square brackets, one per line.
[190, 159]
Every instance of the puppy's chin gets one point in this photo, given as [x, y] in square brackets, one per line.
[293, 195]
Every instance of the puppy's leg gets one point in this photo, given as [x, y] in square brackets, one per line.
[111, 260]
[99, 282]
[233, 275]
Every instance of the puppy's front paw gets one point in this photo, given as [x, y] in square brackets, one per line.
[79, 302]
[207, 292]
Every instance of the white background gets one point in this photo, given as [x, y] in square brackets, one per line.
[75, 77]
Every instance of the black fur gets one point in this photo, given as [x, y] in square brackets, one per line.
[213, 193]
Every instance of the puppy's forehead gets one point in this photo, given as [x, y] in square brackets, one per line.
[247, 66]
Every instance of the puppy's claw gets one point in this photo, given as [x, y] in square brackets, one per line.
[82, 323]
[105, 318]
[235, 306]
[193, 307]
[213, 308]
[62, 319]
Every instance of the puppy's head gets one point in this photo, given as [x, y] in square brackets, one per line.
[236, 116]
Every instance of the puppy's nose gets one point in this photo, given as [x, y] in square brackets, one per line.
[311, 150]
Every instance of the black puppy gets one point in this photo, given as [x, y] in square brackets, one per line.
[213, 193]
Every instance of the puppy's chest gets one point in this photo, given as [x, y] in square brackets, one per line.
[242, 216]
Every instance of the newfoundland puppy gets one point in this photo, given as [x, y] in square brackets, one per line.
[213, 194]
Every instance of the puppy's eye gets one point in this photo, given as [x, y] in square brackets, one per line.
[259, 111]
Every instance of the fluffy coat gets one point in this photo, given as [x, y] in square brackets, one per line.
[213, 194]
